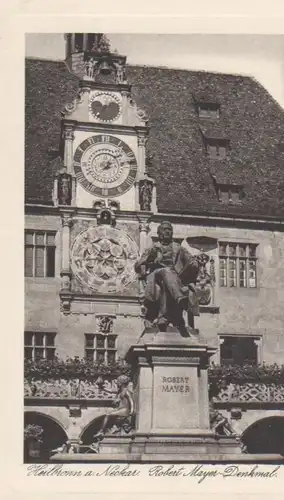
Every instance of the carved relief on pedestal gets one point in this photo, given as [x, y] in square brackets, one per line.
[102, 258]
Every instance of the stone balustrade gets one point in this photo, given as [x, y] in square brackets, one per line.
[72, 389]
[249, 392]
[252, 392]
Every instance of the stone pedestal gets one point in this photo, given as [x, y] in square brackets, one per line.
[172, 408]
[172, 403]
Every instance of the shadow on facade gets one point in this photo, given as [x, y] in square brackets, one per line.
[53, 437]
[265, 436]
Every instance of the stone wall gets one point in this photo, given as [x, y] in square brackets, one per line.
[256, 311]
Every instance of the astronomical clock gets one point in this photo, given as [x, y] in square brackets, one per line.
[104, 135]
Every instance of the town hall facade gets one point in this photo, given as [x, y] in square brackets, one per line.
[111, 152]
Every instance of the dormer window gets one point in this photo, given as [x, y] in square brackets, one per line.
[208, 110]
[230, 193]
[217, 148]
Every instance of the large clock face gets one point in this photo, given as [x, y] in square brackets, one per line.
[105, 106]
[105, 166]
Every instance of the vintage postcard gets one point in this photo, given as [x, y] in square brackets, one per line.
[153, 345]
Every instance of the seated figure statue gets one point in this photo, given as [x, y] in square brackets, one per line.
[120, 417]
[170, 272]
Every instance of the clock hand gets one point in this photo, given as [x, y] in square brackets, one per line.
[106, 166]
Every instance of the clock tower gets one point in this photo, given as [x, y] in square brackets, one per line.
[104, 132]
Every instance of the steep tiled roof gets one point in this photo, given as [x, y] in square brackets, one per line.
[249, 118]
[49, 85]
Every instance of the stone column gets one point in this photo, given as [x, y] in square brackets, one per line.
[68, 159]
[141, 138]
[125, 94]
[65, 273]
[68, 135]
[85, 39]
[144, 228]
[73, 43]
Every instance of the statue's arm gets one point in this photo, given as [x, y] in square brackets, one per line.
[131, 402]
[142, 264]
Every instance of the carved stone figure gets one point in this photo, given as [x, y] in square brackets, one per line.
[170, 273]
[204, 280]
[145, 194]
[64, 189]
[90, 66]
[120, 72]
[120, 418]
[220, 424]
[105, 324]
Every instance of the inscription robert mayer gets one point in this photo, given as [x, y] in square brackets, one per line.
[175, 384]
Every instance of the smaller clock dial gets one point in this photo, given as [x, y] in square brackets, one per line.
[105, 106]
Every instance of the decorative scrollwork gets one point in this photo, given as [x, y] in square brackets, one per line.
[71, 106]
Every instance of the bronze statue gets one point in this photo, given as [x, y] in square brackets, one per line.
[120, 417]
[170, 272]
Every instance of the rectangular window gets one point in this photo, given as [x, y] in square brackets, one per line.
[240, 350]
[208, 110]
[100, 348]
[229, 193]
[237, 265]
[39, 345]
[39, 254]
[216, 151]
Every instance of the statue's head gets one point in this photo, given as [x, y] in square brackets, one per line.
[165, 232]
[122, 380]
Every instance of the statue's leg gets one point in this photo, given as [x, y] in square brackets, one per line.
[173, 287]
[162, 316]
[190, 318]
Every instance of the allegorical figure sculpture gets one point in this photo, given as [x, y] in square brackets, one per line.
[120, 73]
[170, 272]
[90, 68]
[145, 194]
[220, 424]
[119, 417]
[64, 189]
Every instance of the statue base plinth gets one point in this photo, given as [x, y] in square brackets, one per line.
[171, 399]
[199, 444]
[172, 384]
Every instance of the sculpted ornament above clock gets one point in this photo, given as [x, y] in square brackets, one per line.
[105, 165]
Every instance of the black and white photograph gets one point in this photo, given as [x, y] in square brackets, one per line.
[154, 249]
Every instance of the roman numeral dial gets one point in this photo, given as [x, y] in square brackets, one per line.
[105, 165]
